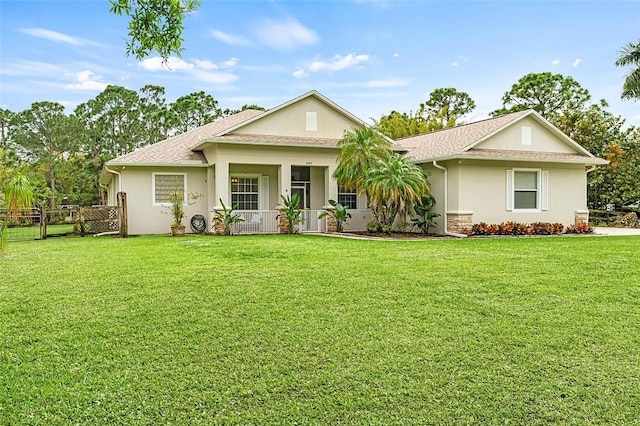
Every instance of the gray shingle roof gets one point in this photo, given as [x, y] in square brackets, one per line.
[177, 149]
[452, 141]
[461, 142]
[277, 140]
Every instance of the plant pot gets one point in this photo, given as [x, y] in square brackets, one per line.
[178, 230]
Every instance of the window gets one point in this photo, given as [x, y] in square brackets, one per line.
[347, 198]
[166, 183]
[527, 190]
[244, 192]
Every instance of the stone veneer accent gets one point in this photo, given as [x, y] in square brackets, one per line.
[582, 217]
[459, 222]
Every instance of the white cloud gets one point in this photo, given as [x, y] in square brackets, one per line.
[300, 73]
[231, 62]
[87, 81]
[454, 64]
[58, 37]
[201, 70]
[205, 65]
[230, 39]
[51, 35]
[286, 35]
[220, 78]
[555, 62]
[173, 64]
[395, 55]
[577, 62]
[338, 63]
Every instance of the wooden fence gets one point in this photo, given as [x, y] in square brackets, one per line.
[33, 224]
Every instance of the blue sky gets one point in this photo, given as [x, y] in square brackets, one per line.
[371, 57]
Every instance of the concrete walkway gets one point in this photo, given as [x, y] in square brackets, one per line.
[616, 231]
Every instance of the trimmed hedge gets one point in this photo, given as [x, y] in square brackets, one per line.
[536, 228]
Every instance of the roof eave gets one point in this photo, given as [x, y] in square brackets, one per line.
[588, 161]
[125, 164]
[201, 146]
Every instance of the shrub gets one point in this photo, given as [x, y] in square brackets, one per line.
[515, 228]
[581, 228]
[629, 220]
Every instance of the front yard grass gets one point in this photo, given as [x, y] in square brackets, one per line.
[313, 330]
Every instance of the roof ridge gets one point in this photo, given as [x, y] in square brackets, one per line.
[461, 125]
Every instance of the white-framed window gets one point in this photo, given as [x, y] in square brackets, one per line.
[245, 192]
[349, 199]
[163, 184]
[527, 190]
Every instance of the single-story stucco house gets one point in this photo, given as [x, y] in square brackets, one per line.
[515, 167]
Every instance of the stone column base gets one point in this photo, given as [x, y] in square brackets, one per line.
[459, 222]
[582, 217]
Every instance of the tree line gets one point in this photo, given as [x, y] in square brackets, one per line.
[63, 154]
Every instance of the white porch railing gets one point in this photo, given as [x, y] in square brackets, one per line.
[257, 222]
[266, 222]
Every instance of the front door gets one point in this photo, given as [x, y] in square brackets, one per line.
[302, 189]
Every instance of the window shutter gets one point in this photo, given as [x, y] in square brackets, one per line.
[544, 190]
[509, 190]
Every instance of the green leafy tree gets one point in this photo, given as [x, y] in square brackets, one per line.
[630, 56]
[227, 112]
[45, 135]
[546, 93]
[398, 126]
[194, 110]
[445, 106]
[157, 121]
[155, 25]
[606, 135]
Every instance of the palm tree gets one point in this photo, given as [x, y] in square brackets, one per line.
[393, 187]
[359, 150]
[18, 194]
[630, 55]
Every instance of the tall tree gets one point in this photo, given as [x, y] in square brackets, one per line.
[155, 25]
[630, 56]
[157, 119]
[445, 106]
[398, 126]
[546, 93]
[44, 134]
[194, 110]
[393, 186]
[360, 150]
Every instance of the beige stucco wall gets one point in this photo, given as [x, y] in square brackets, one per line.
[542, 140]
[480, 187]
[291, 121]
[276, 162]
[436, 181]
[144, 217]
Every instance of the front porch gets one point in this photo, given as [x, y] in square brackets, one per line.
[267, 221]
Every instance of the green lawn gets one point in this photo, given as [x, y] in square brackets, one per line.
[289, 330]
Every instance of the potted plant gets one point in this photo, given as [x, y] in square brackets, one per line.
[224, 219]
[290, 215]
[176, 210]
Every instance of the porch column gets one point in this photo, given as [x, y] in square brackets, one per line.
[284, 181]
[331, 184]
[212, 201]
[222, 184]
